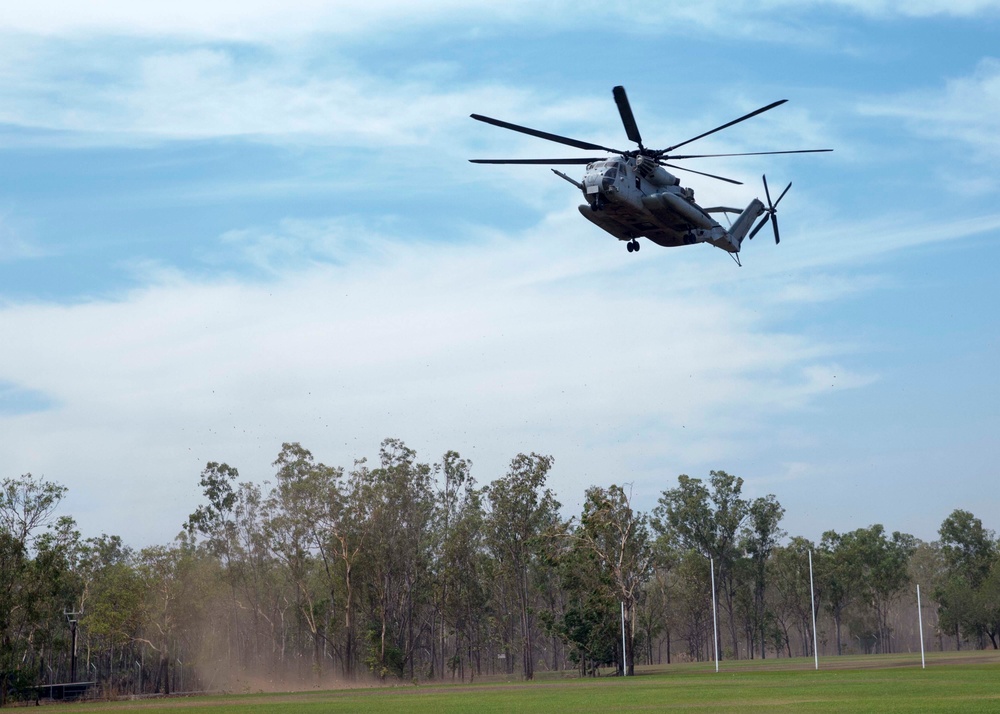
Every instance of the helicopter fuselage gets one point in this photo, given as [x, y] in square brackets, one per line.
[632, 198]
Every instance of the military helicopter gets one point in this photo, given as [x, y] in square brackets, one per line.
[631, 195]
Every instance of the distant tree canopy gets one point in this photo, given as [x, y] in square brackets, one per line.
[404, 569]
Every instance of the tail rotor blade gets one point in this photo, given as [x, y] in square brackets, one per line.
[756, 228]
[771, 212]
[783, 194]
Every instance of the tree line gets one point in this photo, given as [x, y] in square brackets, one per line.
[405, 570]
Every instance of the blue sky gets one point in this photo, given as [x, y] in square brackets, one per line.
[230, 225]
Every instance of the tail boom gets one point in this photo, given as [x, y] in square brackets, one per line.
[745, 221]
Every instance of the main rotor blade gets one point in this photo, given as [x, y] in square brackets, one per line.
[586, 145]
[536, 161]
[727, 125]
[748, 153]
[628, 119]
[702, 173]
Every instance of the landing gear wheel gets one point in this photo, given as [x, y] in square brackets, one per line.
[635, 243]
[630, 246]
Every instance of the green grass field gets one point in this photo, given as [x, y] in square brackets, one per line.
[953, 682]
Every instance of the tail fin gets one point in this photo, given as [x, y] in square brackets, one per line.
[745, 221]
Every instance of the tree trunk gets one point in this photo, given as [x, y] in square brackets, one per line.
[630, 637]
[526, 653]
[409, 627]
[348, 625]
[165, 673]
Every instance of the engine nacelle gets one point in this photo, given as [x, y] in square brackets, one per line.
[654, 173]
[678, 206]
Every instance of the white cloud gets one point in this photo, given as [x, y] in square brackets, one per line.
[912, 8]
[261, 20]
[553, 340]
[194, 92]
[233, 20]
[490, 347]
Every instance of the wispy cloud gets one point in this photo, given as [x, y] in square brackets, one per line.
[512, 343]
[259, 19]
[911, 8]
[508, 347]
[966, 109]
[190, 92]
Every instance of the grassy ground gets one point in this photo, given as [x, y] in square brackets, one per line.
[953, 682]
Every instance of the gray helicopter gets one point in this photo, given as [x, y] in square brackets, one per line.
[631, 195]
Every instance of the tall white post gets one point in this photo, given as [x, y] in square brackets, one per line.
[715, 620]
[812, 599]
[624, 655]
[920, 619]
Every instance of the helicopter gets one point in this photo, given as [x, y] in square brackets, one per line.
[631, 195]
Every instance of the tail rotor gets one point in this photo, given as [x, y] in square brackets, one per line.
[770, 213]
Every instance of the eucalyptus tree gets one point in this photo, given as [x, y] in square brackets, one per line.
[969, 549]
[347, 524]
[400, 503]
[297, 510]
[588, 623]
[27, 507]
[653, 619]
[165, 609]
[215, 522]
[988, 604]
[461, 568]
[254, 569]
[47, 584]
[886, 573]
[662, 618]
[966, 592]
[691, 600]
[791, 600]
[522, 511]
[927, 570]
[758, 540]
[111, 607]
[619, 539]
[709, 522]
[840, 577]
[868, 568]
